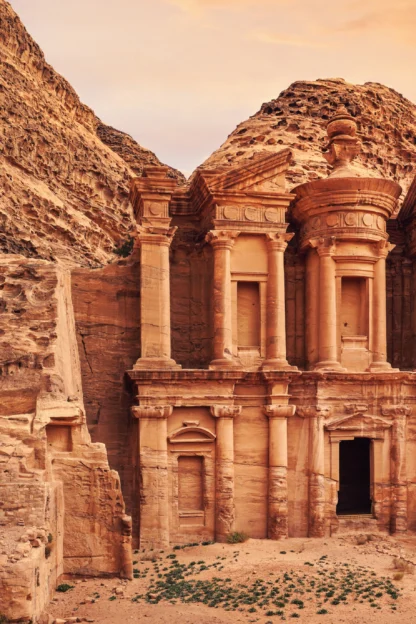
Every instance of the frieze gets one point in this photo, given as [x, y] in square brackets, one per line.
[354, 219]
[251, 214]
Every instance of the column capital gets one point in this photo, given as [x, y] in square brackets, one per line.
[279, 411]
[151, 412]
[383, 248]
[278, 241]
[313, 411]
[324, 246]
[396, 410]
[162, 236]
[221, 239]
[225, 411]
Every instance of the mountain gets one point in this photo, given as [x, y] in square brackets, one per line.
[298, 117]
[64, 175]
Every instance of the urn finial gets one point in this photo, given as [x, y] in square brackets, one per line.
[343, 144]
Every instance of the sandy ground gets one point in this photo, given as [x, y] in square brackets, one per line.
[348, 581]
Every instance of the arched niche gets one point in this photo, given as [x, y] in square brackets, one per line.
[191, 435]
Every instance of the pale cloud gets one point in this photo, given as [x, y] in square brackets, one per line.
[396, 19]
[196, 6]
[286, 40]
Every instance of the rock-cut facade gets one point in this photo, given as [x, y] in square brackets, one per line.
[291, 420]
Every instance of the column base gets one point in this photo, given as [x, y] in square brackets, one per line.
[329, 366]
[381, 367]
[156, 364]
[225, 363]
[276, 364]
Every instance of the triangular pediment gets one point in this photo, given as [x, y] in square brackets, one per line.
[358, 422]
[263, 174]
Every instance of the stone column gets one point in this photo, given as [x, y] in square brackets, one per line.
[399, 414]
[317, 416]
[275, 306]
[155, 300]
[277, 525]
[328, 352]
[379, 323]
[224, 470]
[153, 466]
[312, 308]
[222, 242]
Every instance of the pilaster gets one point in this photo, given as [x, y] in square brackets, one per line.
[399, 504]
[150, 196]
[222, 241]
[277, 525]
[224, 470]
[275, 304]
[317, 416]
[153, 463]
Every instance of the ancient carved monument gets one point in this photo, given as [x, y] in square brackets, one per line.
[249, 366]
[250, 442]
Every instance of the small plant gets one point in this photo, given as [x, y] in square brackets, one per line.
[64, 587]
[124, 248]
[112, 598]
[237, 537]
[50, 538]
[322, 612]
[404, 566]
[48, 551]
[3, 619]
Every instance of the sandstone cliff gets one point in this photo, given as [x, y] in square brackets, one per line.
[298, 117]
[64, 175]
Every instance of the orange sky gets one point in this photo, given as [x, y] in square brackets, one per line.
[179, 75]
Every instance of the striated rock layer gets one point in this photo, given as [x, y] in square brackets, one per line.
[64, 175]
[298, 117]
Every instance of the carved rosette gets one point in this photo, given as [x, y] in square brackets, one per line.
[151, 412]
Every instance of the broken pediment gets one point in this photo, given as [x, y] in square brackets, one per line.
[191, 435]
[358, 422]
[264, 174]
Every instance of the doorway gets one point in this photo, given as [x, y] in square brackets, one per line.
[354, 477]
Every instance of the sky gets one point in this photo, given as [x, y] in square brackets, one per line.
[179, 75]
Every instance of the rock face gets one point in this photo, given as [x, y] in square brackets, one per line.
[297, 119]
[61, 506]
[63, 174]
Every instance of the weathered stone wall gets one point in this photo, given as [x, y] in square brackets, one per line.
[107, 316]
[47, 462]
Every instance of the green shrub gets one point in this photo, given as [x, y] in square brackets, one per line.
[64, 587]
[125, 248]
[238, 537]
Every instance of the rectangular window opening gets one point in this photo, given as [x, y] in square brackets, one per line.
[354, 306]
[191, 484]
[248, 314]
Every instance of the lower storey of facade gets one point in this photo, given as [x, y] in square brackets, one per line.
[273, 454]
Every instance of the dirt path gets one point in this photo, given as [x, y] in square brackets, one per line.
[302, 580]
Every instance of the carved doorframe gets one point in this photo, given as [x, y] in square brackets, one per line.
[358, 424]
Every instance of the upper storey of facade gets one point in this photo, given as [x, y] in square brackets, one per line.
[242, 215]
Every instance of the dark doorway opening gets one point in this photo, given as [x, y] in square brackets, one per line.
[354, 477]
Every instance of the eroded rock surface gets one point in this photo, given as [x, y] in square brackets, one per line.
[298, 117]
[64, 175]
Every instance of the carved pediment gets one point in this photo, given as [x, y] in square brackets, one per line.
[266, 174]
[359, 422]
[191, 435]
